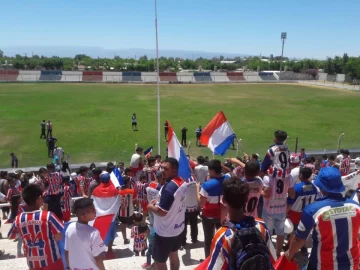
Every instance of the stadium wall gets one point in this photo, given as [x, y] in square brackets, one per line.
[165, 77]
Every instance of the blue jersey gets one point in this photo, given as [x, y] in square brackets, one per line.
[335, 222]
[305, 194]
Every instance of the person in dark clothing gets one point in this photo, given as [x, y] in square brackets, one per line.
[166, 129]
[198, 135]
[50, 142]
[14, 161]
[134, 122]
[183, 136]
[43, 125]
[49, 129]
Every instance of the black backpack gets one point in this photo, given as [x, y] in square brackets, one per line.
[248, 249]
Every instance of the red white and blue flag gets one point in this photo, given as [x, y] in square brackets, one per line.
[107, 203]
[218, 134]
[116, 178]
[148, 152]
[175, 150]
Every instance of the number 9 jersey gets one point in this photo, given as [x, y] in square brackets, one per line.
[279, 186]
[278, 156]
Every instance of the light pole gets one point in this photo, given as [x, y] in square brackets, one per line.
[158, 77]
[283, 37]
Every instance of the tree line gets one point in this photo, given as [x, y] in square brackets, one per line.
[336, 65]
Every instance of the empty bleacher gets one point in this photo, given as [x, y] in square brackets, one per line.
[92, 76]
[112, 77]
[131, 76]
[50, 75]
[267, 76]
[9, 75]
[168, 77]
[235, 76]
[71, 76]
[202, 77]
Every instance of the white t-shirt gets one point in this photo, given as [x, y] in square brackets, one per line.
[135, 159]
[294, 174]
[172, 201]
[201, 172]
[340, 158]
[83, 243]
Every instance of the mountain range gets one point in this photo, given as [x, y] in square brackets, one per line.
[71, 51]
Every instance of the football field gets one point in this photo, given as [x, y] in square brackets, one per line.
[93, 121]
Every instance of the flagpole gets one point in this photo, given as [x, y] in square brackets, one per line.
[158, 78]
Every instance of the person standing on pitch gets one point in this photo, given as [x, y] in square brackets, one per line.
[49, 129]
[134, 122]
[43, 125]
[198, 132]
[183, 136]
[50, 143]
[166, 129]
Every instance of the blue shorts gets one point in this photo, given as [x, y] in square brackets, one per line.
[274, 221]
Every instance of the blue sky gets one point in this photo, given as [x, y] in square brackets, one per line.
[316, 28]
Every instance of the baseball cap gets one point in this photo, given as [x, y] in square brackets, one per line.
[105, 178]
[329, 180]
[294, 159]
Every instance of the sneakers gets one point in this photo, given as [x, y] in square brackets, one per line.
[146, 266]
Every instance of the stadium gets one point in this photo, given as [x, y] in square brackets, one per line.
[265, 147]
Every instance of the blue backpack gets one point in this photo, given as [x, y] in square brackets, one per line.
[248, 249]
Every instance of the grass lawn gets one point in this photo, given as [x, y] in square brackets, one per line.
[93, 121]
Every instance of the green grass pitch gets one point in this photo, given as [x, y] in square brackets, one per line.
[93, 121]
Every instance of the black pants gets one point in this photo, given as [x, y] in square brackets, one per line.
[191, 218]
[198, 140]
[49, 133]
[183, 140]
[134, 125]
[166, 134]
[42, 135]
[50, 151]
[209, 227]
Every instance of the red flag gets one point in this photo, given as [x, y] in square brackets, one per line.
[283, 263]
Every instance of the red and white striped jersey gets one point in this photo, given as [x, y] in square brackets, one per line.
[345, 166]
[150, 173]
[141, 192]
[53, 183]
[65, 199]
[127, 205]
[279, 186]
[37, 230]
[13, 191]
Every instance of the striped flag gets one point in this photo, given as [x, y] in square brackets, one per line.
[116, 178]
[218, 134]
[148, 152]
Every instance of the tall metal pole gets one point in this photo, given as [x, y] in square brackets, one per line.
[283, 37]
[158, 78]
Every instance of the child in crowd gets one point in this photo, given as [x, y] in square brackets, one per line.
[65, 199]
[13, 197]
[126, 210]
[139, 232]
[84, 248]
[141, 194]
[222, 253]
[40, 247]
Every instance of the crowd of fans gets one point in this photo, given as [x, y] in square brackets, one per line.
[241, 201]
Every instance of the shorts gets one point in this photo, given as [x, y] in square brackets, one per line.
[274, 221]
[125, 220]
[58, 265]
[294, 217]
[163, 246]
[134, 123]
[54, 204]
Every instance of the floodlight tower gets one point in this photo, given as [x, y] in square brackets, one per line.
[283, 37]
